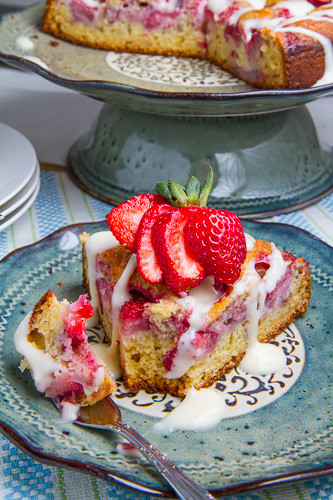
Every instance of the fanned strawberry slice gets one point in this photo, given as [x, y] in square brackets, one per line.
[216, 239]
[148, 265]
[124, 219]
[181, 272]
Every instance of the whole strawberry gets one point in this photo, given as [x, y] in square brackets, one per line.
[216, 240]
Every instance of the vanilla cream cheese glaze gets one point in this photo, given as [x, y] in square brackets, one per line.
[42, 365]
[201, 302]
[97, 243]
[200, 410]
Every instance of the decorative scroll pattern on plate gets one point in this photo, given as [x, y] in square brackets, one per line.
[169, 70]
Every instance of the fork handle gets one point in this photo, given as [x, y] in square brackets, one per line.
[183, 485]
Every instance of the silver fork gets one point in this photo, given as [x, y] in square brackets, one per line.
[106, 415]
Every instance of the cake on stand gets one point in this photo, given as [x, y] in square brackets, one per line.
[168, 118]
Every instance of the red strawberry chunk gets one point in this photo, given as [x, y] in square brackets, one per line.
[148, 265]
[204, 343]
[75, 321]
[168, 359]
[181, 272]
[124, 219]
[319, 3]
[216, 239]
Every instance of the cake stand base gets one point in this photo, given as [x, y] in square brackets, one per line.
[263, 164]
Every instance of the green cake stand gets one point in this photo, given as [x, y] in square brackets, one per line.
[165, 118]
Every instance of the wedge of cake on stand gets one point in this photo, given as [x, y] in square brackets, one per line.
[269, 44]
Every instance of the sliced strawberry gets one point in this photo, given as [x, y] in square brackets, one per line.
[124, 219]
[181, 272]
[216, 239]
[148, 265]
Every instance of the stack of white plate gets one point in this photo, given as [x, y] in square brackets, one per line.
[19, 175]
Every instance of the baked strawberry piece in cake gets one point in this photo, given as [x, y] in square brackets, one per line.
[184, 294]
[53, 341]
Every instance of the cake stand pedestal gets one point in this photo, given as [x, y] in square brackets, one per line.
[166, 117]
[263, 164]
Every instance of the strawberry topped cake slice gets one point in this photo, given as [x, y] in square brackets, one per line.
[185, 295]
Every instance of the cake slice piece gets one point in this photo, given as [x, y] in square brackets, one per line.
[173, 343]
[53, 341]
[218, 296]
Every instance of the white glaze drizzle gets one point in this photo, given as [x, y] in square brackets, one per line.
[257, 23]
[24, 43]
[120, 295]
[295, 7]
[256, 359]
[68, 241]
[249, 241]
[199, 301]
[200, 410]
[69, 412]
[218, 6]
[322, 13]
[92, 3]
[166, 6]
[41, 364]
[97, 243]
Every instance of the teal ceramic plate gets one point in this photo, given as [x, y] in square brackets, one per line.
[154, 84]
[287, 440]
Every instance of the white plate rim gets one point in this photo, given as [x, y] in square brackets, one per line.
[15, 134]
[23, 195]
[21, 210]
